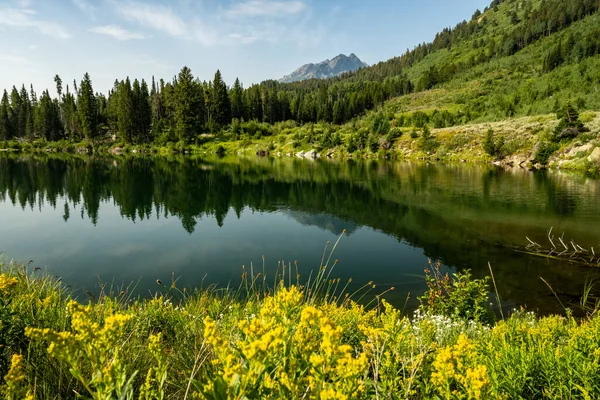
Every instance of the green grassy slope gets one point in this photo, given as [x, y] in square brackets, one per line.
[516, 95]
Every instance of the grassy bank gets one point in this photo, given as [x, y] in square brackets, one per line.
[294, 341]
[522, 141]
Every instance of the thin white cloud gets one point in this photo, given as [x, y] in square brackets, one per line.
[155, 17]
[85, 7]
[25, 19]
[246, 22]
[257, 8]
[118, 33]
[15, 60]
[244, 39]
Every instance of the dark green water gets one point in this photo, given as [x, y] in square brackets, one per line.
[141, 219]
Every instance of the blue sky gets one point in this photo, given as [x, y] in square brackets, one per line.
[251, 39]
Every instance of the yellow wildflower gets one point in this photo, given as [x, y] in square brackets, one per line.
[7, 283]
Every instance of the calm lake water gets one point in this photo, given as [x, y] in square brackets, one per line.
[138, 219]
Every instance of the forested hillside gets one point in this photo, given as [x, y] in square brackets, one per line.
[515, 58]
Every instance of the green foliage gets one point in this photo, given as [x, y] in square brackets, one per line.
[459, 297]
[544, 152]
[220, 151]
[86, 108]
[212, 344]
[493, 146]
[373, 143]
[188, 106]
[569, 125]
[508, 61]
[380, 124]
[428, 142]
[220, 106]
[256, 129]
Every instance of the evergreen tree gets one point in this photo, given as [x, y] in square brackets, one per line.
[58, 83]
[86, 108]
[6, 131]
[70, 116]
[15, 116]
[47, 119]
[237, 100]
[145, 112]
[220, 108]
[136, 92]
[125, 116]
[188, 104]
[26, 115]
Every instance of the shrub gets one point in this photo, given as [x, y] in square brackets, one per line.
[457, 297]
[492, 146]
[220, 151]
[236, 128]
[373, 143]
[428, 142]
[569, 126]
[380, 125]
[544, 152]
[351, 146]
[257, 129]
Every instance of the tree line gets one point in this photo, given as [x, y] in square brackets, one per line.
[181, 109]
[185, 107]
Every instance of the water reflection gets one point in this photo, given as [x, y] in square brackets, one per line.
[132, 217]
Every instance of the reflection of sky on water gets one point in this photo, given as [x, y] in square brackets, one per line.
[230, 214]
[117, 250]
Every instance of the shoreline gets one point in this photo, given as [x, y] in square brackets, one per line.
[521, 139]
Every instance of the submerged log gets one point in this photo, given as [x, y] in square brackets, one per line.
[558, 249]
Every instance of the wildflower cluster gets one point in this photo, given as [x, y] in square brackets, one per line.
[457, 373]
[14, 387]
[7, 283]
[92, 348]
[283, 345]
[286, 350]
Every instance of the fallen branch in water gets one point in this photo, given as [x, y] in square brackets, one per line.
[558, 249]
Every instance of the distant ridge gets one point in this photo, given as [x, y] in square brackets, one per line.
[326, 69]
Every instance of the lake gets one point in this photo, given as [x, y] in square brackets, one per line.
[137, 219]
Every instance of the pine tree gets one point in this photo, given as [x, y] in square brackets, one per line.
[6, 132]
[47, 120]
[125, 118]
[86, 108]
[237, 100]
[220, 105]
[26, 114]
[58, 83]
[15, 116]
[136, 91]
[70, 116]
[188, 106]
[145, 112]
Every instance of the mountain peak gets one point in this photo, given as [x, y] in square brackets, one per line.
[326, 69]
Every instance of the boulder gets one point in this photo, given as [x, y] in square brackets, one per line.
[116, 150]
[311, 154]
[580, 149]
[300, 154]
[595, 156]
